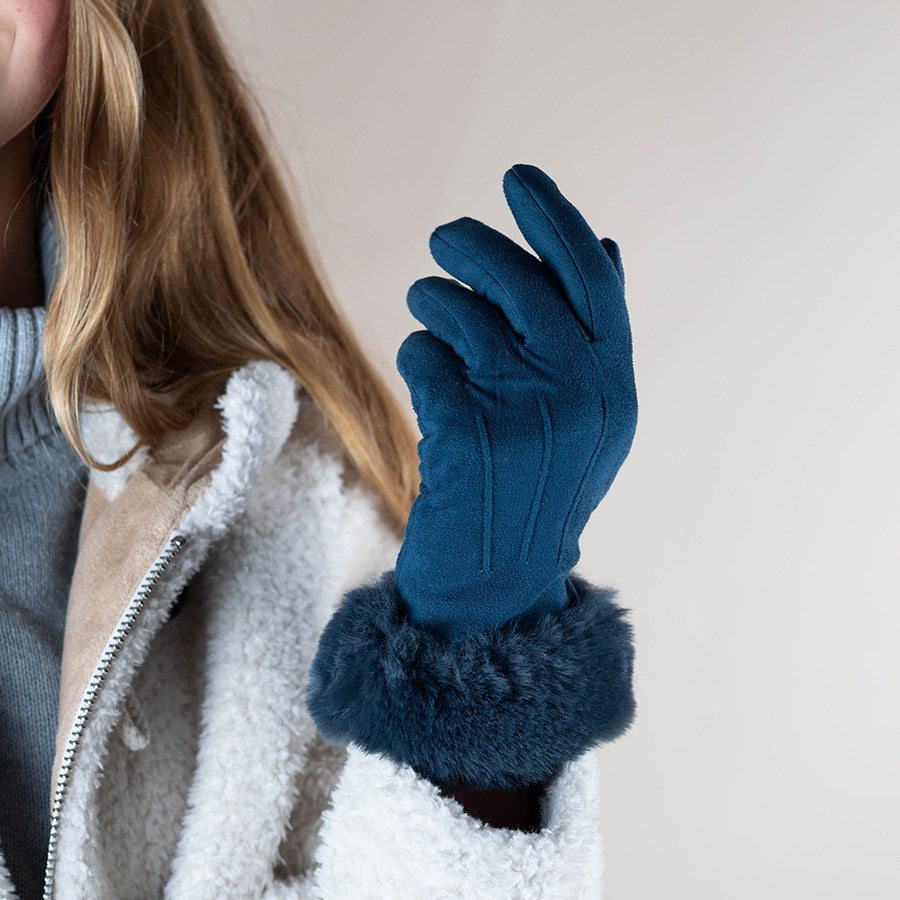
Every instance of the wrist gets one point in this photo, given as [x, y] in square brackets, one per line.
[517, 808]
[454, 607]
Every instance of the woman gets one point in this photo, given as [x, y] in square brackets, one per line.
[282, 653]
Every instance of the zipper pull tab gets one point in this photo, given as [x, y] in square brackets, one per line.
[135, 729]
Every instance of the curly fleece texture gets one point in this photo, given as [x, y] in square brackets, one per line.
[501, 708]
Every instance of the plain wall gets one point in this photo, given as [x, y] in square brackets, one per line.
[745, 157]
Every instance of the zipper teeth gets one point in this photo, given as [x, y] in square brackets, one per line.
[113, 647]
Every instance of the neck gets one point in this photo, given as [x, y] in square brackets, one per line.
[21, 282]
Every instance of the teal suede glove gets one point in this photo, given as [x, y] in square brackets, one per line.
[524, 391]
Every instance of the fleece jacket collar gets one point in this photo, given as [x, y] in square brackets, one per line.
[186, 491]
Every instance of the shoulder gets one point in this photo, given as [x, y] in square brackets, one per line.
[308, 502]
[314, 485]
[280, 466]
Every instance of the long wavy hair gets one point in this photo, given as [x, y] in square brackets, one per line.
[184, 254]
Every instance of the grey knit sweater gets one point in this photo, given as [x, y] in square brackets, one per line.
[42, 484]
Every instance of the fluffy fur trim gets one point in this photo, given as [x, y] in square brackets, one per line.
[258, 407]
[500, 708]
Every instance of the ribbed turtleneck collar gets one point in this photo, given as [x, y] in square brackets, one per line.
[25, 413]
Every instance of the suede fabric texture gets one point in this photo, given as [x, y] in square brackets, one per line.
[495, 709]
[524, 390]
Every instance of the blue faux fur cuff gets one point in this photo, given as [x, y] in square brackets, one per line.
[503, 708]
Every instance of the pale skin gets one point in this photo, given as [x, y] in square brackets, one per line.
[33, 42]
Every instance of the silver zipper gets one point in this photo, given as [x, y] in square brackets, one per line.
[126, 623]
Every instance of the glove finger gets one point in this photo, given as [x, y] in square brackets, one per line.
[615, 254]
[456, 315]
[561, 237]
[435, 376]
[506, 274]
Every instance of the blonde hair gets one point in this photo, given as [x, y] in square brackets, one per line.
[184, 257]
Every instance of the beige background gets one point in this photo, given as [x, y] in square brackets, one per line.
[745, 156]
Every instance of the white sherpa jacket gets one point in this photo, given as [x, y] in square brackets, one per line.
[188, 765]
